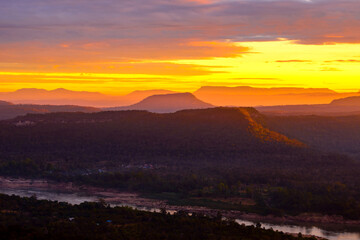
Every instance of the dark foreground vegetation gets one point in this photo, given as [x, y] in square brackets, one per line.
[28, 218]
[221, 158]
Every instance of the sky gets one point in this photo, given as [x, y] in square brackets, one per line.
[117, 46]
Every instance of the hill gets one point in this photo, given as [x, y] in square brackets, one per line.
[166, 103]
[250, 96]
[349, 101]
[212, 157]
[338, 107]
[329, 133]
[137, 135]
[8, 111]
[62, 96]
[3, 103]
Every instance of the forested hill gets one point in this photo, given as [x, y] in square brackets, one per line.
[217, 152]
[188, 134]
[329, 133]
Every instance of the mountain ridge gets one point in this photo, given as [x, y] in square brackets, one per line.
[251, 96]
[215, 95]
[198, 133]
[349, 101]
[277, 90]
[61, 96]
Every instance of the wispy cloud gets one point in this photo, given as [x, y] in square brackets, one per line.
[344, 61]
[293, 61]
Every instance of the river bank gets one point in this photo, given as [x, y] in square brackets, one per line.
[116, 198]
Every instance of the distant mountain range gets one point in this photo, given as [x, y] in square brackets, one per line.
[338, 107]
[349, 101]
[249, 96]
[66, 97]
[217, 96]
[3, 103]
[167, 103]
[9, 110]
[31, 100]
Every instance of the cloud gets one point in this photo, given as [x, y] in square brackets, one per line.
[126, 68]
[329, 69]
[344, 61]
[309, 22]
[293, 61]
[91, 56]
[271, 79]
[144, 37]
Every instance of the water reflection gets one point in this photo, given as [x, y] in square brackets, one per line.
[306, 231]
[77, 198]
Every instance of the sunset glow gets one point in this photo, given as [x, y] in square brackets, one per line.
[179, 46]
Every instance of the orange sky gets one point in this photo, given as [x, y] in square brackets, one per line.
[119, 46]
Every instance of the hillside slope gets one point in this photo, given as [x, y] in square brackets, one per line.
[217, 133]
[329, 133]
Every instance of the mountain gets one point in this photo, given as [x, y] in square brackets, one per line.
[215, 134]
[218, 96]
[3, 103]
[62, 96]
[213, 154]
[58, 97]
[29, 93]
[349, 101]
[8, 111]
[338, 107]
[250, 96]
[262, 91]
[167, 103]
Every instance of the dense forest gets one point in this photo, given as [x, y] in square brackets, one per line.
[329, 133]
[70, 139]
[29, 218]
[199, 157]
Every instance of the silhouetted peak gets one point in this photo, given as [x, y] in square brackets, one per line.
[61, 90]
[164, 103]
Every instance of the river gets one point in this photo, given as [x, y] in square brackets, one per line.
[79, 197]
